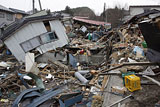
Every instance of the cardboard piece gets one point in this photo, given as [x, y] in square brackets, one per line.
[118, 89]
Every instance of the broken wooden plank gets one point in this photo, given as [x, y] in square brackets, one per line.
[104, 82]
[132, 64]
[59, 64]
[153, 80]
[93, 80]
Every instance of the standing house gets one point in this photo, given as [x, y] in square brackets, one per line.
[42, 33]
[6, 15]
[19, 13]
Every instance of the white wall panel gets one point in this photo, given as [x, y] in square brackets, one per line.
[38, 28]
[15, 48]
[24, 34]
[32, 30]
[56, 26]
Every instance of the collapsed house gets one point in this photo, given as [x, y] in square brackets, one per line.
[137, 53]
[42, 33]
[85, 20]
[148, 24]
[107, 71]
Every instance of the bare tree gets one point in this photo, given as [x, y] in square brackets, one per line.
[115, 15]
[68, 10]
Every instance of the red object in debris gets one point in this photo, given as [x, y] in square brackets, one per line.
[123, 45]
[82, 51]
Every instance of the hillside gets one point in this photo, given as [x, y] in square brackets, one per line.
[80, 11]
[83, 11]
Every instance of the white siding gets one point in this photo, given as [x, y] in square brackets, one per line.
[59, 29]
[30, 31]
[27, 32]
[15, 48]
[62, 37]
[38, 28]
[33, 30]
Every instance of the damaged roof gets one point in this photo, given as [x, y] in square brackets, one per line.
[93, 22]
[136, 17]
[20, 23]
[5, 9]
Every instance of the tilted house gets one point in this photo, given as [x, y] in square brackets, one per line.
[42, 33]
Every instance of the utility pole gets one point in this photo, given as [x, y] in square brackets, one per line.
[104, 12]
[40, 5]
[33, 6]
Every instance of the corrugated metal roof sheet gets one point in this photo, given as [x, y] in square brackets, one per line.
[90, 21]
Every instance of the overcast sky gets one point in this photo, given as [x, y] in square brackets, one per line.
[56, 5]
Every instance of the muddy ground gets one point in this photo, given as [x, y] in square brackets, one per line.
[147, 97]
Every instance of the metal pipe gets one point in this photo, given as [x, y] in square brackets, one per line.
[120, 101]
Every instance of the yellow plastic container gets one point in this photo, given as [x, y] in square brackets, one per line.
[132, 83]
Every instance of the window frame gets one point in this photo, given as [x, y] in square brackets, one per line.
[51, 40]
[9, 17]
[1, 13]
[29, 41]
[40, 41]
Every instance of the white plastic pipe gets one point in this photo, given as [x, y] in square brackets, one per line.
[80, 77]
[153, 80]
[83, 71]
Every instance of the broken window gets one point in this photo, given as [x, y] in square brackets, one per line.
[39, 40]
[53, 36]
[146, 10]
[9, 17]
[49, 37]
[47, 26]
[30, 44]
[26, 46]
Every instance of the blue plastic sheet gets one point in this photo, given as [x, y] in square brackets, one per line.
[138, 49]
[72, 61]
